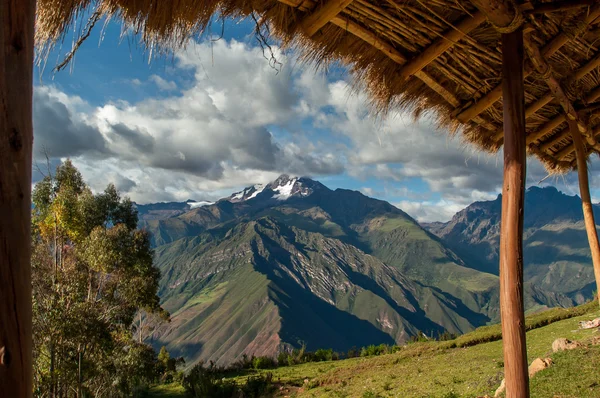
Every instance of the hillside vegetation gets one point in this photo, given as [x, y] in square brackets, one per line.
[293, 263]
[469, 366]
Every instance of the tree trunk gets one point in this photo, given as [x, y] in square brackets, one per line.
[16, 138]
[511, 232]
[586, 201]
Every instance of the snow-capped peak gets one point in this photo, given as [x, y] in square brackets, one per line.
[284, 191]
[283, 188]
[247, 193]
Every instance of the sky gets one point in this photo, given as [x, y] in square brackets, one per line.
[217, 116]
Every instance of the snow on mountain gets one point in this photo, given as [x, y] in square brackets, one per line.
[283, 188]
[284, 191]
[257, 189]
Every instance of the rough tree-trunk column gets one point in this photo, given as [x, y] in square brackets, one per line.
[586, 201]
[16, 137]
[511, 232]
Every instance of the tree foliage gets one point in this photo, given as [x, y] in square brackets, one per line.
[92, 271]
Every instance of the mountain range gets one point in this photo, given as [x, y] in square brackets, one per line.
[295, 263]
[556, 254]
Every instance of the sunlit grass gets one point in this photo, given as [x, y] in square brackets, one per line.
[469, 366]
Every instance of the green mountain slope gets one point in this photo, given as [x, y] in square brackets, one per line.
[556, 253]
[294, 263]
[263, 285]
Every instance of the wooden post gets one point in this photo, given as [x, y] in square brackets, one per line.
[586, 201]
[511, 232]
[16, 138]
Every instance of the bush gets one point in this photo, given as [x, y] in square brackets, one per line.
[353, 353]
[282, 358]
[208, 382]
[372, 350]
[204, 382]
[323, 355]
[258, 386]
[263, 363]
[419, 338]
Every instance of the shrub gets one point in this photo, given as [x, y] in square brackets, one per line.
[372, 350]
[353, 352]
[204, 382]
[282, 359]
[419, 338]
[323, 355]
[263, 363]
[208, 382]
[258, 386]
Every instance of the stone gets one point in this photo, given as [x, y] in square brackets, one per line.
[500, 389]
[564, 344]
[539, 364]
[595, 323]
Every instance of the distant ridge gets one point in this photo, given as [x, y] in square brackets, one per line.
[556, 253]
[293, 262]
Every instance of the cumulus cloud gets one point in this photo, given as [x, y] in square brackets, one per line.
[163, 84]
[200, 138]
[61, 129]
[239, 122]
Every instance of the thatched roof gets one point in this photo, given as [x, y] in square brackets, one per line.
[440, 56]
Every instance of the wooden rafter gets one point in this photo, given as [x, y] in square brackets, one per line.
[495, 94]
[500, 12]
[546, 128]
[448, 39]
[540, 103]
[543, 68]
[564, 5]
[531, 110]
[312, 23]
[569, 149]
[389, 50]
[557, 121]
[302, 5]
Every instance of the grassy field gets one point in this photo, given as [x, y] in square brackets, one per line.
[470, 366]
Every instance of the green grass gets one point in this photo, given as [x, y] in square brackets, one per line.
[469, 366]
[172, 390]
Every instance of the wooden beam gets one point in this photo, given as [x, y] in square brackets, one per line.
[565, 5]
[546, 128]
[511, 227]
[543, 68]
[540, 103]
[531, 109]
[499, 12]
[302, 5]
[322, 15]
[16, 138]
[495, 94]
[383, 46]
[449, 38]
[557, 121]
[586, 202]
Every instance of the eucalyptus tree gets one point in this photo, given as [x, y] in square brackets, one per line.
[92, 271]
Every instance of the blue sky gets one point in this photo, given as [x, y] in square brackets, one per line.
[215, 117]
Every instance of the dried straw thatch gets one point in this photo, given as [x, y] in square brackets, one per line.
[439, 56]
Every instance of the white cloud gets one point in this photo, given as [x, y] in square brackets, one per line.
[163, 84]
[239, 122]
